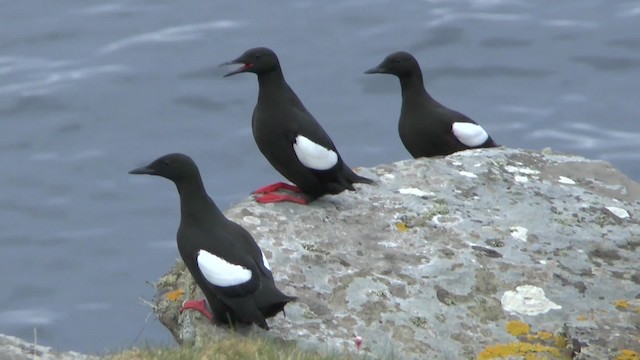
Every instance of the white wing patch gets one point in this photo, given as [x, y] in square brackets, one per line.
[264, 260]
[314, 156]
[220, 272]
[469, 134]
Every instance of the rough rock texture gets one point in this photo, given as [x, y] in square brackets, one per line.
[481, 254]
[12, 348]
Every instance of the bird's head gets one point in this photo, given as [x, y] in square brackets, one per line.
[175, 167]
[400, 63]
[258, 60]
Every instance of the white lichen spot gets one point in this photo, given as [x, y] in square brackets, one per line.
[519, 233]
[528, 171]
[388, 177]
[520, 170]
[565, 180]
[527, 300]
[521, 179]
[619, 212]
[543, 262]
[456, 163]
[413, 191]
[388, 244]
[251, 220]
[447, 220]
[468, 174]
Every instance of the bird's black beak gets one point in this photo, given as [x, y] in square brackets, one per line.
[244, 68]
[376, 70]
[144, 170]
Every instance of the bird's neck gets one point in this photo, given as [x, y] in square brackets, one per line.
[272, 83]
[194, 201]
[413, 89]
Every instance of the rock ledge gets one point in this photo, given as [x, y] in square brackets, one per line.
[481, 254]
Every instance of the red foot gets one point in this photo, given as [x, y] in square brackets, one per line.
[273, 198]
[277, 186]
[358, 341]
[199, 306]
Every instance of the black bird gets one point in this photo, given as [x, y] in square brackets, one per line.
[426, 127]
[222, 256]
[290, 137]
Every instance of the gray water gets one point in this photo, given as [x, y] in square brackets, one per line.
[87, 92]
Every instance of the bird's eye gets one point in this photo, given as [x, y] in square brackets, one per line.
[166, 163]
[396, 61]
[258, 56]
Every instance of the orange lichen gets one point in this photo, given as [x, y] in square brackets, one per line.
[517, 328]
[528, 351]
[402, 227]
[543, 345]
[175, 295]
[627, 355]
[621, 304]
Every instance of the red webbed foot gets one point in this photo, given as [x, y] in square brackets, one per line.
[277, 186]
[199, 306]
[273, 198]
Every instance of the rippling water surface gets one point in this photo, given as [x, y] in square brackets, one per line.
[88, 92]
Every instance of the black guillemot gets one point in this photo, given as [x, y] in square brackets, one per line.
[223, 258]
[290, 137]
[428, 128]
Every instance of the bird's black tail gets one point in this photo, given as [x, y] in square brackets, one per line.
[352, 177]
[489, 143]
[270, 300]
[246, 310]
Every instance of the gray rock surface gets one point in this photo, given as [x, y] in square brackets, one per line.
[12, 348]
[484, 253]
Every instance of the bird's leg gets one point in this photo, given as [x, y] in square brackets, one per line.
[277, 186]
[199, 306]
[273, 198]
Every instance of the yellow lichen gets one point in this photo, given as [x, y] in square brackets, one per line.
[544, 335]
[540, 335]
[529, 351]
[621, 304]
[175, 295]
[627, 355]
[517, 328]
[582, 318]
[560, 341]
[402, 227]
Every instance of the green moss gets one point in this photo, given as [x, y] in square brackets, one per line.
[494, 242]
[308, 314]
[381, 293]
[601, 220]
[420, 322]
[315, 249]
[439, 208]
